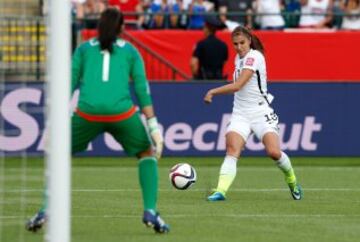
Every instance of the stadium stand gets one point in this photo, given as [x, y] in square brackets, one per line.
[22, 41]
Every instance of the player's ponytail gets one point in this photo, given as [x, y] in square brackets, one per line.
[109, 27]
[255, 41]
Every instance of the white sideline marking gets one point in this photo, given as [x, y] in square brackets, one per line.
[193, 190]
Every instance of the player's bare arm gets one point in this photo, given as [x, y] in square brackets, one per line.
[243, 78]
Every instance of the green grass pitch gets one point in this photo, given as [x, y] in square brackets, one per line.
[107, 206]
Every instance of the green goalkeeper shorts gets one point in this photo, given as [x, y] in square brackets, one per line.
[130, 133]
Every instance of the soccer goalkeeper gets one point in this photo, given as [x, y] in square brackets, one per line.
[101, 69]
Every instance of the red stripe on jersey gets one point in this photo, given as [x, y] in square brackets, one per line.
[107, 118]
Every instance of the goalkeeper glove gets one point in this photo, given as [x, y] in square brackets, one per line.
[156, 136]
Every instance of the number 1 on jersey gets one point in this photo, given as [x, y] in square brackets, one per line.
[106, 65]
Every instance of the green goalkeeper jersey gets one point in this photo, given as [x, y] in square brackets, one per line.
[103, 78]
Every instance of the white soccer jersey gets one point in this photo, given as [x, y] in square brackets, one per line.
[271, 7]
[254, 92]
[313, 7]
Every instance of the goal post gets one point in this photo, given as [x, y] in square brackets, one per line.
[58, 105]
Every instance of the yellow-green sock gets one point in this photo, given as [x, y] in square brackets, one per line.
[227, 174]
[285, 166]
[224, 183]
[290, 177]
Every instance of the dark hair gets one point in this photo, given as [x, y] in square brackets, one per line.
[109, 27]
[211, 28]
[255, 41]
[212, 23]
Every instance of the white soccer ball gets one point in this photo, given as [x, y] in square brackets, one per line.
[182, 176]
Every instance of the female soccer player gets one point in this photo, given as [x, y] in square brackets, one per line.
[251, 113]
[101, 69]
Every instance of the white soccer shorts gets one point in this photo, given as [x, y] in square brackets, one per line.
[260, 121]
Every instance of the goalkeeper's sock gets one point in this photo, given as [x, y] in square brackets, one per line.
[227, 174]
[285, 166]
[44, 205]
[148, 176]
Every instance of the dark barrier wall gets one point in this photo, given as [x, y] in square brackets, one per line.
[300, 56]
[315, 120]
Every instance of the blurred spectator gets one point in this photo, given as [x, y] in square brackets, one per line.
[316, 13]
[76, 24]
[197, 10]
[184, 18]
[174, 8]
[351, 7]
[165, 13]
[186, 4]
[142, 8]
[269, 14]
[126, 7]
[215, 4]
[74, 6]
[158, 8]
[244, 11]
[89, 12]
[210, 54]
[292, 13]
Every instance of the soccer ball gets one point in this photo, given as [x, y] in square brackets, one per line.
[182, 176]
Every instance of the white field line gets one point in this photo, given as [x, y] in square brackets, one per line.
[205, 215]
[192, 190]
[206, 168]
[20, 178]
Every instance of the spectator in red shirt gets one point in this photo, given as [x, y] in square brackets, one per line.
[126, 7]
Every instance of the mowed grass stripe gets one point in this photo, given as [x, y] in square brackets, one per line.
[124, 216]
[107, 205]
[191, 190]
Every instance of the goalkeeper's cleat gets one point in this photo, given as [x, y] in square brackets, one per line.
[296, 192]
[36, 222]
[155, 221]
[216, 196]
